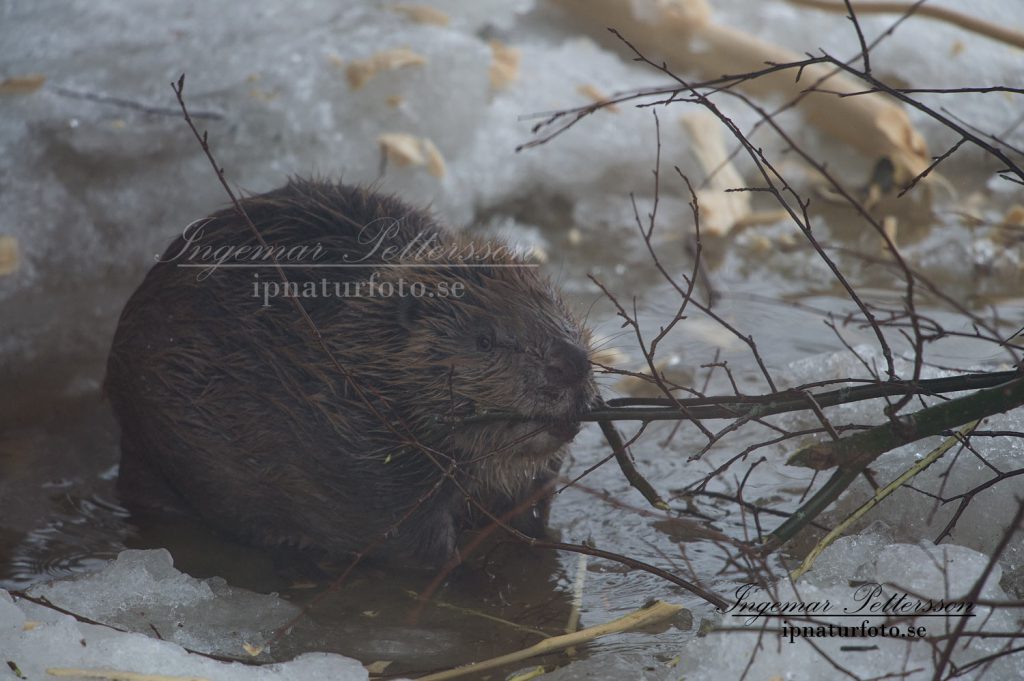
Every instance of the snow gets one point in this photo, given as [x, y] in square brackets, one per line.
[92, 190]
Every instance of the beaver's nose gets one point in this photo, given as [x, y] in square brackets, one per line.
[567, 365]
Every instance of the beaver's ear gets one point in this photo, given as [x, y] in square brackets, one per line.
[408, 311]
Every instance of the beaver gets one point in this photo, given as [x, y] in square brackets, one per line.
[231, 407]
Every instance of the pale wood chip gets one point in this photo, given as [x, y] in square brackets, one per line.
[435, 161]
[10, 259]
[405, 150]
[504, 65]
[421, 14]
[22, 85]
[402, 149]
[360, 71]
[593, 94]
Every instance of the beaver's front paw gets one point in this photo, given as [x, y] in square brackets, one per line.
[435, 535]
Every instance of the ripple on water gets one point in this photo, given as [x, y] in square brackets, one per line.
[82, 536]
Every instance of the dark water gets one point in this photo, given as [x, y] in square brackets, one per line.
[60, 516]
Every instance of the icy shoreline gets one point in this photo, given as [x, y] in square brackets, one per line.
[867, 575]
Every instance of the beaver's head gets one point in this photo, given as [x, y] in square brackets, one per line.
[491, 335]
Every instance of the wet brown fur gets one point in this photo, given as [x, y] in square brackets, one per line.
[232, 409]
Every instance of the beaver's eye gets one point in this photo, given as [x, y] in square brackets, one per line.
[484, 343]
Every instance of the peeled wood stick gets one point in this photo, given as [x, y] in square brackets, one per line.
[682, 33]
[720, 209]
[113, 675]
[652, 614]
[968, 23]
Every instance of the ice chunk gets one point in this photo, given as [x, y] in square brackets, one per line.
[37, 639]
[142, 592]
[924, 571]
